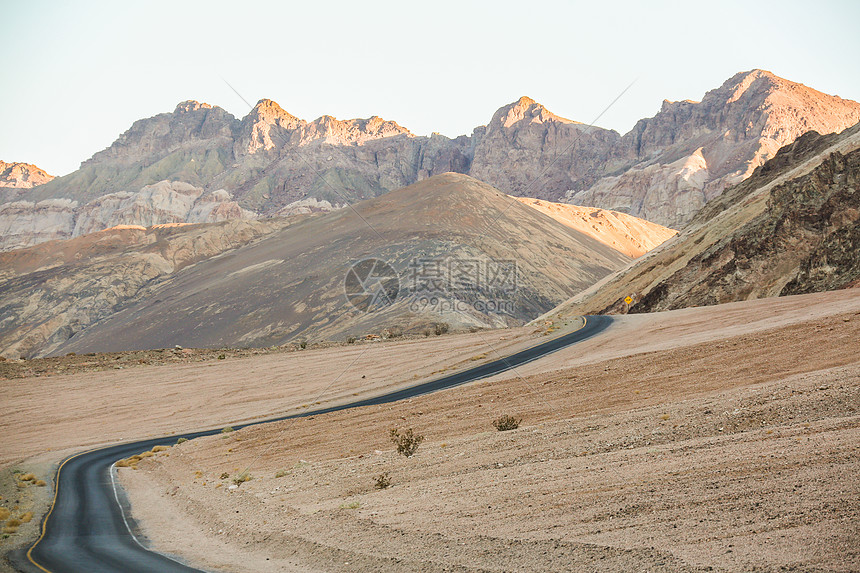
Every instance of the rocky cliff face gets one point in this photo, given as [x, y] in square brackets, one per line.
[664, 170]
[690, 151]
[51, 291]
[25, 223]
[528, 151]
[790, 228]
[806, 241]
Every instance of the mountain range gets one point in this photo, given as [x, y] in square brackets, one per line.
[273, 163]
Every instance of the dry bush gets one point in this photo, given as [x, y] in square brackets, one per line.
[13, 523]
[26, 517]
[157, 449]
[350, 340]
[181, 441]
[227, 430]
[281, 473]
[27, 477]
[40, 483]
[505, 423]
[382, 481]
[406, 442]
[8, 529]
[242, 478]
[441, 328]
[4, 513]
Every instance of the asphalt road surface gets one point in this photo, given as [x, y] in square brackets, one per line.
[88, 531]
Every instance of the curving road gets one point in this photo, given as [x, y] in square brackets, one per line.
[87, 530]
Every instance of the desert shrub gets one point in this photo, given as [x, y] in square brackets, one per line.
[225, 475]
[157, 449]
[4, 513]
[505, 423]
[13, 523]
[242, 478]
[227, 430]
[427, 332]
[27, 477]
[353, 505]
[181, 441]
[350, 340]
[382, 481]
[281, 473]
[441, 328]
[406, 442]
[26, 517]
[303, 344]
[40, 483]
[7, 529]
[222, 356]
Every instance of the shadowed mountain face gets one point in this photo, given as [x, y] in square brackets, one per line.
[449, 230]
[791, 228]
[271, 162]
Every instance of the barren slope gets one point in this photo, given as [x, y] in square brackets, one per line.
[53, 290]
[291, 285]
[630, 235]
[703, 456]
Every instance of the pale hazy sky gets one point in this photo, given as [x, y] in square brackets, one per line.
[76, 75]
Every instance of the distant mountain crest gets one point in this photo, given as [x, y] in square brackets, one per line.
[664, 170]
[18, 175]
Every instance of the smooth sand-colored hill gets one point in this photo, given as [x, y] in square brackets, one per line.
[625, 233]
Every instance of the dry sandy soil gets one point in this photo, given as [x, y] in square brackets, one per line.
[722, 438]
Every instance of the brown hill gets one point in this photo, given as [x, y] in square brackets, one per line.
[290, 285]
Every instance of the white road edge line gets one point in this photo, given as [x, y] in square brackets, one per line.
[112, 471]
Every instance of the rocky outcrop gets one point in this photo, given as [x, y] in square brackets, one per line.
[24, 223]
[690, 151]
[790, 228]
[16, 179]
[806, 241]
[22, 175]
[665, 169]
[526, 150]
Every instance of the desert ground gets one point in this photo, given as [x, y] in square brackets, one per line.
[717, 438]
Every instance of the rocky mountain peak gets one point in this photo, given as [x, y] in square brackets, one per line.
[270, 112]
[18, 175]
[524, 109]
[191, 105]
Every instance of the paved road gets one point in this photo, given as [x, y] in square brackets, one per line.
[86, 530]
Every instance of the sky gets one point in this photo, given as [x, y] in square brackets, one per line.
[77, 75]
